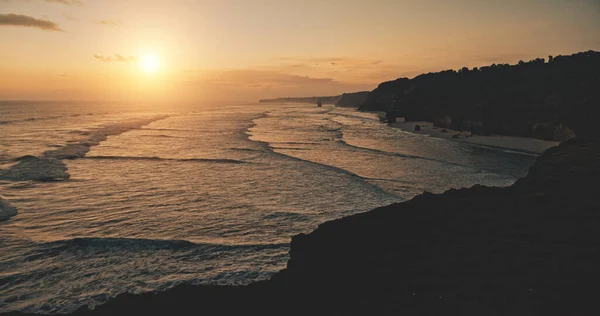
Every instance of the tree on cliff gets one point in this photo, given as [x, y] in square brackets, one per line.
[532, 98]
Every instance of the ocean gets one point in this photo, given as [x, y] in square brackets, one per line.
[136, 198]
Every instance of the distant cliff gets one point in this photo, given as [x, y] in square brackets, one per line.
[345, 100]
[353, 100]
[528, 249]
[324, 100]
[553, 100]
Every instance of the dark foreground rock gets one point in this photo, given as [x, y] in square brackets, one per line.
[529, 249]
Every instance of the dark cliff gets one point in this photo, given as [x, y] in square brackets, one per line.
[553, 99]
[528, 249]
[353, 100]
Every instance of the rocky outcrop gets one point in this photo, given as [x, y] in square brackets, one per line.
[528, 249]
[353, 100]
[524, 250]
[552, 131]
[345, 100]
[551, 100]
[6, 210]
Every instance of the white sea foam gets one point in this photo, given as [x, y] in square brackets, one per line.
[49, 166]
[35, 168]
[81, 148]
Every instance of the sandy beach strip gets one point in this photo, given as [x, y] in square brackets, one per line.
[518, 144]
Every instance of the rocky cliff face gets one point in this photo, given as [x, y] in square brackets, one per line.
[523, 250]
[528, 249]
[353, 100]
[549, 100]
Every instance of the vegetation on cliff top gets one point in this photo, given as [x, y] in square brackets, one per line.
[553, 99]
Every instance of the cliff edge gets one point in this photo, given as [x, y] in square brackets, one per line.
[550, 99]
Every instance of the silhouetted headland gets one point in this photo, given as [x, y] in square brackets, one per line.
[354, 99]
[550, 100]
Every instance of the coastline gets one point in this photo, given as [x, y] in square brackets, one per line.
[524, 145]
[527, 249]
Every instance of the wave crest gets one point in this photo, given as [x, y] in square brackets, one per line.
[140, 244]
[49, 166]
[81, 148]
[215, 160]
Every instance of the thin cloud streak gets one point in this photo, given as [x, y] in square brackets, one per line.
[67, 2]
[28, 21]
[116, 57]
[110, 23]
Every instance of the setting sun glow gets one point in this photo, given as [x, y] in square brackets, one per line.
[149, 63]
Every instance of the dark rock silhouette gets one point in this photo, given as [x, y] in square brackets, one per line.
[345, 100]
[551, 100]
[528, 249]
[353, 100]
[391, 117]
[417, 128]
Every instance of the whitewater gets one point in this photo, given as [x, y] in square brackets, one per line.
[114, 198]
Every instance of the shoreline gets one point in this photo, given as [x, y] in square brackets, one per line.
[533, 255]
[523, 145]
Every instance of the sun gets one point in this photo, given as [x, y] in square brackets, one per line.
[149, 63]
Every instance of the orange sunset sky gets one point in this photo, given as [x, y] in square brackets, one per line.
[234, 50]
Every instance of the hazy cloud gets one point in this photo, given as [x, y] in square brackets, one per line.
[69, 17]
[262, 79]
[28, 21]
[67, 2]
[116, 57]
[339, 62]
[110, 23]
[254, 84]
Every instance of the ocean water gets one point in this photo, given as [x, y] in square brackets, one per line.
[117, 198]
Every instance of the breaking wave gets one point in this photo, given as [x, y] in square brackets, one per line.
[133, 244]
[169, 159]
[35, 168]
[30, 119]
[80, 149]
[50, 167]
